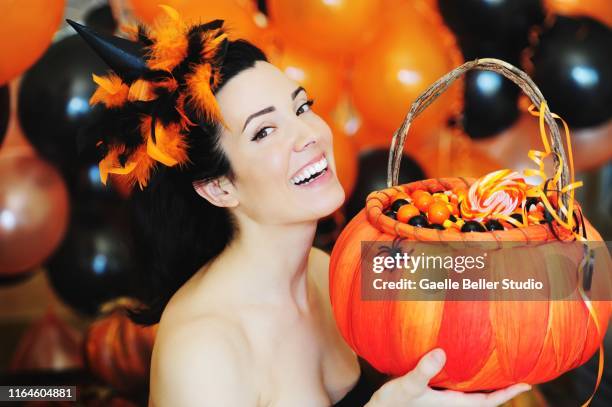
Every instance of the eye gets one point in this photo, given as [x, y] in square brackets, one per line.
[261, 133]
[306, 106]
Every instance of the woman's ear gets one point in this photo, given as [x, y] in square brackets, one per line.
[219, 192]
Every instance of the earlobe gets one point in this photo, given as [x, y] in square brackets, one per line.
[219, 192]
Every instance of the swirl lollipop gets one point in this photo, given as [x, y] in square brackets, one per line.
[496, 195]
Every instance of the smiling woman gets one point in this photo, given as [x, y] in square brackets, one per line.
[234, 169]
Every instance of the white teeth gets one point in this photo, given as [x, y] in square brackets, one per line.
[310, 171]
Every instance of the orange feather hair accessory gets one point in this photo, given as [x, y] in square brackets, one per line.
[153, 99]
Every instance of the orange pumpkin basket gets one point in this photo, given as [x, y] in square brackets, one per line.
[489, 344]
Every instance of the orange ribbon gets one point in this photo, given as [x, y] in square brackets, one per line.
[538, 157]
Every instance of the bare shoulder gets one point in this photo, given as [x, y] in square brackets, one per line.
[318, 268]
[201, 362]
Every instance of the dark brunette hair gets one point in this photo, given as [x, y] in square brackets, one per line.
[176, 231]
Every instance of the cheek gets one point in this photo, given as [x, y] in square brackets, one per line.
[261, 178]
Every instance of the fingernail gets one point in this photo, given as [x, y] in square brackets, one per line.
[438, 355]
[525, 387]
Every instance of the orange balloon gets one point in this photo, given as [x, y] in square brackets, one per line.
[345, 156]
[26, 30]
[33, 212]
[241, 17]
[451, 153]
[411, 53]
[323, 80]
[324, 26]
[369, 137]
[597, 9]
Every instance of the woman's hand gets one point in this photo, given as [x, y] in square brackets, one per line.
[412, 389]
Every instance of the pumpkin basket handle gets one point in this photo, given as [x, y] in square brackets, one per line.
[486, 64]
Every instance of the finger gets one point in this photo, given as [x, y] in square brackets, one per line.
[501, 396]
[415, 381]
[497, 398]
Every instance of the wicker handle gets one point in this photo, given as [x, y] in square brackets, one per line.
[488, 64]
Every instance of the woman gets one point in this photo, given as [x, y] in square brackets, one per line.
[235, 169]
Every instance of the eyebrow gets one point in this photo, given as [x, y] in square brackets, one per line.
[271, 108]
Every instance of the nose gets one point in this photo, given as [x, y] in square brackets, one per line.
[306, 136]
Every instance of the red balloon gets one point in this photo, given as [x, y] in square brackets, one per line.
[411, 53]
[591, 147]
[26, 30]
[597, 9]
[324, 26]
[33, 212]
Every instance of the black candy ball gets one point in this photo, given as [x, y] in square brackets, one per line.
[494, 225]
[517, 216]
[398, 203]
[390, 214]
[472, 226]
[418, 221]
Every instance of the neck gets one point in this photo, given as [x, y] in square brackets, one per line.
[269, 262]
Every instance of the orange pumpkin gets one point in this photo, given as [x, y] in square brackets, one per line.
[489, 344]
[118, 351]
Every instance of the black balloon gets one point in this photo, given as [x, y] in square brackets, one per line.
[573, 68]
[95, 262]
[373, 176]
[490, 103]
[5, 108]
[54, 100]
[54, 107]
[101, 19]
[262, 5]
[504, 22]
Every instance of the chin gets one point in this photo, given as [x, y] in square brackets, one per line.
[324, 204]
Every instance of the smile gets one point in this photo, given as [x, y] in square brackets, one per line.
[311, 172]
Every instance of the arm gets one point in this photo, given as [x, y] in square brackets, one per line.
[203, 363]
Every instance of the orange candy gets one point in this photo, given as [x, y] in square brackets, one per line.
[438, 212]
[419, 192]
[401, 195]
[406, 212]
[422, 201]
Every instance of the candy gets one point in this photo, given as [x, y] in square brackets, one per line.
[498, 193]
[437, 212]
[423, 201]
[418, 221]
[493, 224]
[473, 226]
[398, 203]
[406, 212]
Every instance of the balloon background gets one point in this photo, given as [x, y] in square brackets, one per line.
[66, 246]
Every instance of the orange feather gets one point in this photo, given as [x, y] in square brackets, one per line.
[170, 43]
[111, 91]
[201, 97]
